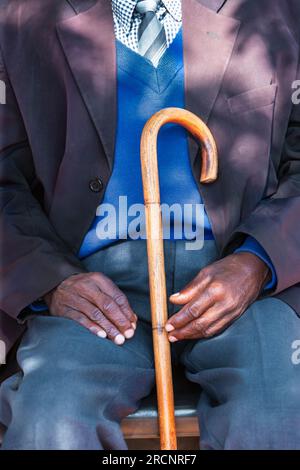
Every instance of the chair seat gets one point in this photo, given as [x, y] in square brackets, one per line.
[144, 422]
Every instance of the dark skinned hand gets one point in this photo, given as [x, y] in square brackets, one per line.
[94, 301]
[217, 296]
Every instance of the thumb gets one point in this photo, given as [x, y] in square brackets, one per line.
[188, 292]
[185, 295]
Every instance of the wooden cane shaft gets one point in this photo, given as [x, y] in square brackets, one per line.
[159, 315]
[157, 280]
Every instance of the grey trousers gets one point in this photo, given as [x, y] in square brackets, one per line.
[74, 388]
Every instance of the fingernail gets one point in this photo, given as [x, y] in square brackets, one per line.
[101, 334]
[172, 339]
[169, 327]
[133, 325]
[176, 294]
[119, 339]
[129, 333]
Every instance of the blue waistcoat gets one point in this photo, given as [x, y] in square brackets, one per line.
[142, 91]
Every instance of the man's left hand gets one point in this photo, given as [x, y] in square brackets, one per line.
[217, 296]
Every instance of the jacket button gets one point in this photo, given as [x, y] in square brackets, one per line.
[96, 185]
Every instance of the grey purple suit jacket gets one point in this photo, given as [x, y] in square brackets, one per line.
[57, 133]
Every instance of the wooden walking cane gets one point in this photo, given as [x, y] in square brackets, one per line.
[154, 231]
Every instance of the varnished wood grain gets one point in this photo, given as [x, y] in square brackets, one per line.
[157, 280]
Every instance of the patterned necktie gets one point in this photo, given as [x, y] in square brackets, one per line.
[151, 35]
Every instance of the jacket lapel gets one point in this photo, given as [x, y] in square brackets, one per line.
[89, 45]
[209, 39]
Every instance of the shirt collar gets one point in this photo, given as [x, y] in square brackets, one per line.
[174, 8]
[123, 11]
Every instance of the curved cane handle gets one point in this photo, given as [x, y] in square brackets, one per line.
[196, 127]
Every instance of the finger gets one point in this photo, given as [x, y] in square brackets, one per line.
[123, 303]
[201, 327]
[114, 332]
[105, 304]
[83, 320]
[114, 313]
[109, 287]
[98, 317]
[221, 325]
[193, 288]
[190, 312]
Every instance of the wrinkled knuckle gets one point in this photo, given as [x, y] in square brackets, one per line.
[122, 322]
[96, 315]
[193, 311]
[210, 294]
[217, 288]
[121, 299]
[109, 306]
[111, 331]
[208, 332]
[200, 327]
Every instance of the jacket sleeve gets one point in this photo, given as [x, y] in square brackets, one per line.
[251, 245]
[275, 222]
[33, 258]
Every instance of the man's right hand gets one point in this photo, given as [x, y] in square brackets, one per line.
[94, 301]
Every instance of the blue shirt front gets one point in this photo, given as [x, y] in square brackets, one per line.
[142, 91]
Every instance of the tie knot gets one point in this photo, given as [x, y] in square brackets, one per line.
[144, 6]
